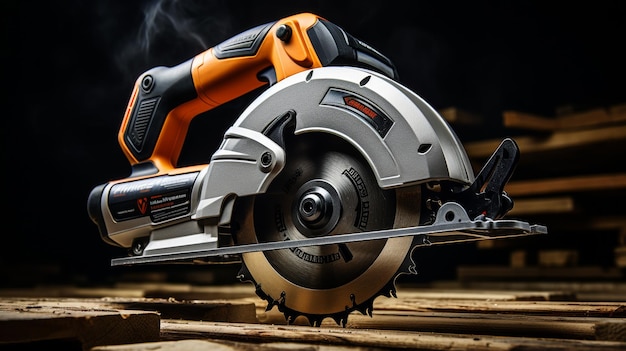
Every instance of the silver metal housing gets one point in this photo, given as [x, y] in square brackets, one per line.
[418, 147]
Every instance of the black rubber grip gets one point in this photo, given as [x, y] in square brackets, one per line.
[243, 44]
[334, 46]
[161, 90]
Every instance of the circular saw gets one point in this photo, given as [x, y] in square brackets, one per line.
[321, 189]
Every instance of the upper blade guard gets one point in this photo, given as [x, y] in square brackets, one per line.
[403, 139]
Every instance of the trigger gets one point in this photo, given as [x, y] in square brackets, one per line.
[268, 75]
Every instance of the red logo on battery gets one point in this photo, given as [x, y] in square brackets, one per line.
[142, 204]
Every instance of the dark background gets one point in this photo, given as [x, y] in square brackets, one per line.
[69, 67]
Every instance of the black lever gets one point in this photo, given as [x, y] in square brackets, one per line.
[486, 195]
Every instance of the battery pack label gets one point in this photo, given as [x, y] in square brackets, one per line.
[161, 198]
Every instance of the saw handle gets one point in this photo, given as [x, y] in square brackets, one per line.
[165, 99]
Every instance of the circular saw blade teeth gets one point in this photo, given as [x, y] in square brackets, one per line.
[328, 189]
[340, 318]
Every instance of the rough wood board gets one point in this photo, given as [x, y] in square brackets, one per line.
[389, 339]
[180, 291]
[620, 256]
[484, 295]
[561, 140]
[546, 308]
[447, 297]
[31, 322]
[472, 323]
[576, 287]
[215, 310]
[595, 224]
[460, 117]
[524, 120]
[465, 273]
[563, 204]
[557, 258]
[208, 310]
[581, 119]
[567, 184]
[183, 291]
[601, 321]
[69, 291]
[202, 292]
[586, 328]
[224, 345]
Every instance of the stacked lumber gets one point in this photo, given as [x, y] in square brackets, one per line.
[425, 318]
[571, 177]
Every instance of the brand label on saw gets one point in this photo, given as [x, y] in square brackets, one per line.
[363, 209]
[363, 108]
[161, 198]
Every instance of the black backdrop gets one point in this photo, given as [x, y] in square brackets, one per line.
[69, 66]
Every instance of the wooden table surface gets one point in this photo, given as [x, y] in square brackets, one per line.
[165, 316]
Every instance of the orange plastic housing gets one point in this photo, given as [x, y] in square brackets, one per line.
[218, 81]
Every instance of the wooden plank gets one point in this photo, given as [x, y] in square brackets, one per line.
[208, 310]
[423, 311]
[431, 294]
[590, 118]
[586, 328]
[567, 184]
[545, 308]
[441, 308]
[601, 296]
[52, 291]
[563, 204]
[215, 310]
[29, 321]
[620, 256]
[600, 321]
[560, 140]
[196, 292]
[227, 345]
[557, 258]
[523, 120]
[585, 291]
[582, 119]
[189, 291]
[179, 291]
[597, 222]
[399, 317]
[389, 339]
[465, 273]
[593, 291]
[618, 112]
[485, 295]
[517, 258]
[458, 116]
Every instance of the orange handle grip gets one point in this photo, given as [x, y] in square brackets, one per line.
[166, 99]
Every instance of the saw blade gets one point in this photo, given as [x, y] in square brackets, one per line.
[326, 188]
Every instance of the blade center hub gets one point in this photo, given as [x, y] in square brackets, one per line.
[317, 208]
[313, 206]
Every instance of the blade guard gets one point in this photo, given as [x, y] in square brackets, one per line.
[404, 140]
